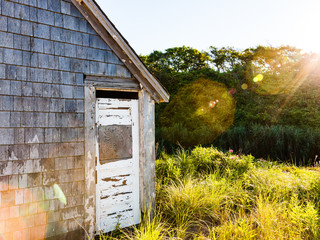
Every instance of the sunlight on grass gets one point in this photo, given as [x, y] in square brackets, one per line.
[208, 194]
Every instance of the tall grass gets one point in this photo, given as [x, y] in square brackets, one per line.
[208, 194]
[285, 143]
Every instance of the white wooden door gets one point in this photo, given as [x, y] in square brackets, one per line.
[117, 187]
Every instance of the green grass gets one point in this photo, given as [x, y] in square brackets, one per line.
[208, 194]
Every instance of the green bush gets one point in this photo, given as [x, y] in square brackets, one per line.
[201, 161]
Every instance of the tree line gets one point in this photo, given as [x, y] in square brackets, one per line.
[251, 100]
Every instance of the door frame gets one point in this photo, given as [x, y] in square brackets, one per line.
[146, 156]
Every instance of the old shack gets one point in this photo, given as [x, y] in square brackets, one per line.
[76, 122]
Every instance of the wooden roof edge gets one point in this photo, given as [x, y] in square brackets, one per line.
[97, 12]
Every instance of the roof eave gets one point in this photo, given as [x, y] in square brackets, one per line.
[155, 89]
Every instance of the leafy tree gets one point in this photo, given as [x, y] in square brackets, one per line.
[198, 113]
[274, 70]
[226, 58]
[178, 59]
[273, 86]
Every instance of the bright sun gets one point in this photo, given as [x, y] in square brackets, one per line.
[305, 30]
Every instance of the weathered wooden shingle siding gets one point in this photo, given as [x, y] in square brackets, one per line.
[45, 48]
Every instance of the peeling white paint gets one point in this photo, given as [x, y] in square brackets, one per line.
[35, 139]
[12, 156]
[34, 152]
[117, 189]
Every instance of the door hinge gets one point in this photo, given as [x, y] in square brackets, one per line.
[96, 177]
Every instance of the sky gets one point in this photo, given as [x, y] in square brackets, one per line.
[150, 25]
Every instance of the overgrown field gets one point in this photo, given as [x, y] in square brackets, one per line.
[208, 194]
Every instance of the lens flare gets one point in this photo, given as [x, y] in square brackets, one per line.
[26, 210]
[258, 78]
[212, 104]
[272, 71]
[244, 86]
[198, 114]
[59, 194]
[232, 91]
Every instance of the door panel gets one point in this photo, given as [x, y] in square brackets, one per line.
[117, 164]
[115, 142]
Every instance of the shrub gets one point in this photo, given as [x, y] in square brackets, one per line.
[200, 161]
[208, 160]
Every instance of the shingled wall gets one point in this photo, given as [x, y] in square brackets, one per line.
[46, 47]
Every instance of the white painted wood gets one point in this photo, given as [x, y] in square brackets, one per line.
[124, 219]
[118, 181]
[115, 117]
[117, 188]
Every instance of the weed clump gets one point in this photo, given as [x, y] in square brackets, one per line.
[201, 162]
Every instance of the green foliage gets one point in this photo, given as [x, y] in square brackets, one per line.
[209, 160]
[272, 86]
[178, 59]
[284, 143]
[199, 161]
[274, 70]
[199, 113]
[227, 58]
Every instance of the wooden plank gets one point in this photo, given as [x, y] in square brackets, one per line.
[147, 151]
[114, 191]
[124, 219]
[116, 206]
[105, 103]
[90, 153]
[157, 93]
[109, 79]
[141, 152]
[113, 83]
[117, 199]
[116, 181]
[115, 117]
[118, 87]
[117, 168]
